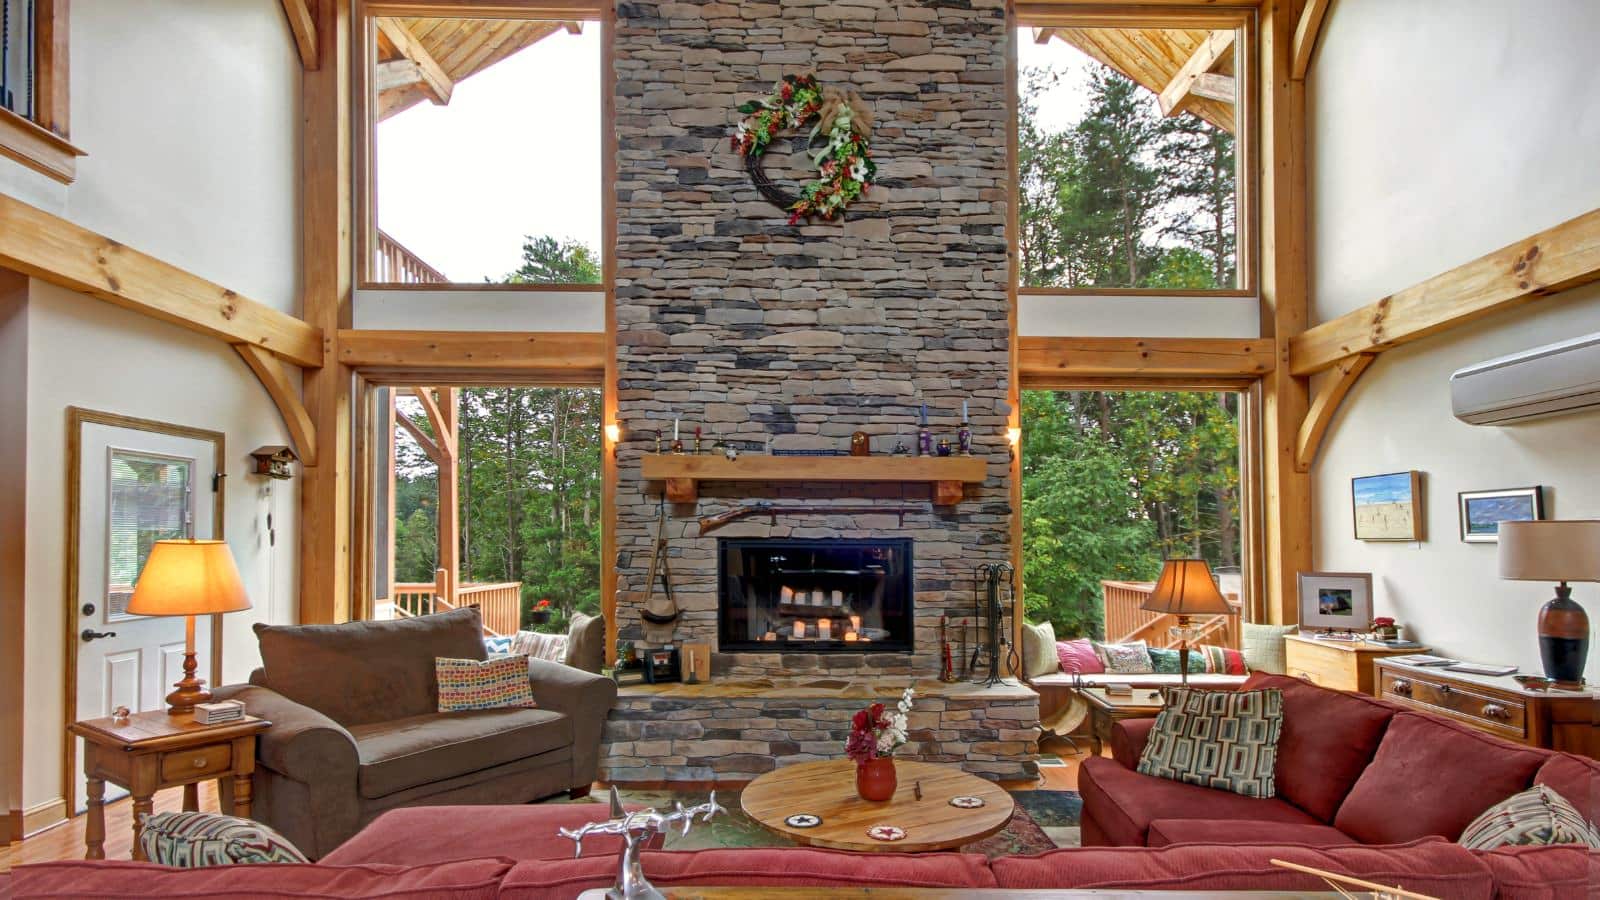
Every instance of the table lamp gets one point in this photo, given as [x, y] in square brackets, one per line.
[1559, 551]
[1186, 589]
[188, 578]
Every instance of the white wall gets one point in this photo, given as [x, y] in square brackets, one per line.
[189, 111]
[1442, 130]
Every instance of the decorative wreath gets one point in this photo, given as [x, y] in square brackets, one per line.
[844, 161]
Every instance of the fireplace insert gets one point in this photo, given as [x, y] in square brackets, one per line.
[814, 596]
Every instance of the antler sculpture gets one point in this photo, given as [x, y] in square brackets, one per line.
[635, 829]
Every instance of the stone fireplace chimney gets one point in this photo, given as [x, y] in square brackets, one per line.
[732, 320]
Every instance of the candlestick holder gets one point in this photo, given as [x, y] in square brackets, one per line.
[964, 438]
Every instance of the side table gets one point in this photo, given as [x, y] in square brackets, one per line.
[1105, 709]
[149, 751]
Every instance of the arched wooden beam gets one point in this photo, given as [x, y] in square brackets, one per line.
[1325, 405]
[1305, 37]
[275, 378]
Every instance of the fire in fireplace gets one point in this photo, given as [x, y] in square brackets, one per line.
[814, 596]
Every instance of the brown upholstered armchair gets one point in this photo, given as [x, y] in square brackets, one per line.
[356, 731]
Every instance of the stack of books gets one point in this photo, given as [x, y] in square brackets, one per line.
[218, 712]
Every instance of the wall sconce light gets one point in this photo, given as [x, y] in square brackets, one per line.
[1014, 438]
[614, 432]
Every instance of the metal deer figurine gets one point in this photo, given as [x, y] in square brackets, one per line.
[636, 829]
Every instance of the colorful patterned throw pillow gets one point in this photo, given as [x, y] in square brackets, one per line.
[1224, 660]
[191, 840]
[1165, 662]
[1537, 816]
[487, 684]
[1218, 739]
[1126, 659]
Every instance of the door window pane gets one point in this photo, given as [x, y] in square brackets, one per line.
[151, 499]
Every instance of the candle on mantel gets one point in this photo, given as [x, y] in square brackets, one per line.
[674, 429]
[799, 629]
[963, 410]
[924, 415]
[825, 629]
[850, 636]
[770, 636]
[855, 623]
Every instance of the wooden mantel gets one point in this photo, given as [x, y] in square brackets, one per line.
[682, 472]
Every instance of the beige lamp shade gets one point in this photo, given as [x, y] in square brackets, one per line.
[188, 578]
[1186, 588]
[1550, 551]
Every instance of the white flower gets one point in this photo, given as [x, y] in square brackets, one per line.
[858, 172]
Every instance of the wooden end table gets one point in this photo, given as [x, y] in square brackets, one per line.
[1105, 709]
[149, 751]
[828, 789]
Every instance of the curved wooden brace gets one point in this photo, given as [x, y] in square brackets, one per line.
[275, 378]
[1325, 405]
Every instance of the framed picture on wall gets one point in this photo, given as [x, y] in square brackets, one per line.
[1483, 511]
[1388, 507]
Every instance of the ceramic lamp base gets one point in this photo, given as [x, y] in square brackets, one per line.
[1563, 637]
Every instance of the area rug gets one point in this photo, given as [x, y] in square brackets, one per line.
[1042, 821]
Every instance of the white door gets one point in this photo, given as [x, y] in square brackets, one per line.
[135, 487]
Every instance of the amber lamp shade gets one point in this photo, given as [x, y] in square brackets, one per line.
[188, 578]
[1559, 551]
[1186, 589]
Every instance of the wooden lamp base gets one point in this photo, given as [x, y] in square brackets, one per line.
[190, 690]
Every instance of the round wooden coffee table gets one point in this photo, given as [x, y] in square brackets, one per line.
[828, 790]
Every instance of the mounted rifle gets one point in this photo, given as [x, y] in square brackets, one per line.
[728, 516]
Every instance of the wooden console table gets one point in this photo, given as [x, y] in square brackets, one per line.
[1341, 665]
[149, 751]
[1551, 719]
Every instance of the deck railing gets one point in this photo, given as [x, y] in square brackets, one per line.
[500, 604]
[1127, 621]
[394, 264]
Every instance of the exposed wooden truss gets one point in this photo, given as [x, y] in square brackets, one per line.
[423, 69]
[422, 57]
[1305, 36]
[1179, 93]
[52, 249]
[1044, 359]
[1535, 267]
[1325, 405]
[303, 25]
[577, 352]
[1168, 57]
[275, 378]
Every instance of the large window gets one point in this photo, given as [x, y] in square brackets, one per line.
[1130, 146]
[485, 151]
[1113, 482]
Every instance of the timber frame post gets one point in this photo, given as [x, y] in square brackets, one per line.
[325, 493]
[1285, 311]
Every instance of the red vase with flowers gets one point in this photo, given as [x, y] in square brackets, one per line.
[875, 733]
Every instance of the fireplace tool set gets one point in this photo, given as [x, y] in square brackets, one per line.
[997, 650]
[636, 829]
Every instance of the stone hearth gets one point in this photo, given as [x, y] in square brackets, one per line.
[736, 729]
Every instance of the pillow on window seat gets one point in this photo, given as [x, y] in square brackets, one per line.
[1039, 649]
[1166, 662]
[1077, 657]
[1125, 659]
[548, 647]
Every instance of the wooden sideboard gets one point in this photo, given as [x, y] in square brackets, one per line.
[1553, 719]
[1341, 665]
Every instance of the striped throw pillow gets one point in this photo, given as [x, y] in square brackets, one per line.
[1536, 816]
[191, 840]
[1223, 660]
[483, 684]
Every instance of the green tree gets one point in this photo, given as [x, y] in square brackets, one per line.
[546, 260]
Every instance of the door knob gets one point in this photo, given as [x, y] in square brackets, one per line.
[89, 634]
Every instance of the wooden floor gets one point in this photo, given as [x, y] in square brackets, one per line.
[65, 841]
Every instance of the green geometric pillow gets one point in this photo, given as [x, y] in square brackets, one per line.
[1536, 816]
[1218, 739]
[191, 840]
[1165, 662]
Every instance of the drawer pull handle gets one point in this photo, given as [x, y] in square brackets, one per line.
[1446, 689]
[1496, 711]
[1402, 687]
[199, 762]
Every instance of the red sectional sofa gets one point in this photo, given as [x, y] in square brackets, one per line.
[1351, 770]
[1366, 789]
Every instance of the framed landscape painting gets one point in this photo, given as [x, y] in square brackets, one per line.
[1483, 511]
[1388, 507]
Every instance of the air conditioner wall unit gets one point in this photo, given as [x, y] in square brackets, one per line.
[1546, 381]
